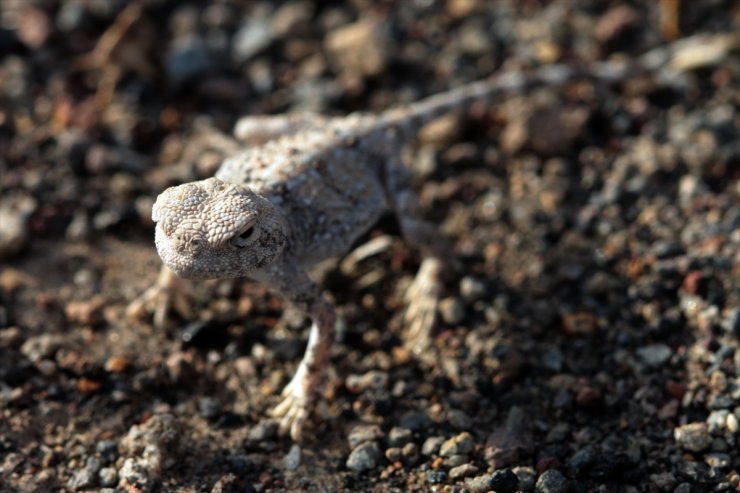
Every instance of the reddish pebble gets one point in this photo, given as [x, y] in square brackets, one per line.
[88, 386]
[692, 281]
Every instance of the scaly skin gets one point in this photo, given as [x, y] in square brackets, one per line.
[311, 189]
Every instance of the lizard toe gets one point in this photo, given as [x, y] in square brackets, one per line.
[422, 300]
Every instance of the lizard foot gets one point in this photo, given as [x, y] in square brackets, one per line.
[422, 299]
[298, 400]
[158, 299]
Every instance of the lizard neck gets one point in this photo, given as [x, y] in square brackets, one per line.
[274, 233]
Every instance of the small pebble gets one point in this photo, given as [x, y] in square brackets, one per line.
[398, 437]
[393, 454]
[463, 471]
[188, 57]
[436, 476]
[732, 423]
[251, 38]
[479, 484]
[431, 445]
[552, 360]
[209, 407]
[360, 49]
[582, 459]
[655, 355]
[455, 460]
[15, 213]
[693, 436]
[504, 447]
[372, 380]
[731, 322]
[551, 481]
[683, 488]
[459, 444]
[501, 481]
[86, 477]
[364, 457]
[108, 476]
[504, 481]
[42, 346]
[451, 310]
[719, 460]
[292, 459]
[459, 419]
[108, 451]
[11, 337]
[526, 476]
[410, 453]
[415, 421]
[262, 431]
[472, 289]
[135, 476]
[363, 433]
[717, 421]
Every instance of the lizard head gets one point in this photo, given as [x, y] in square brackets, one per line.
[212, 229]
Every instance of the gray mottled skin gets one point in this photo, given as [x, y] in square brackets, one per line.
[310, 190]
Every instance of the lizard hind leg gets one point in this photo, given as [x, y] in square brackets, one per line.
[422, 297]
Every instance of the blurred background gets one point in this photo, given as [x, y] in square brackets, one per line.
[591, 343]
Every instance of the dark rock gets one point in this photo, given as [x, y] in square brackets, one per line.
[108, 451]
[436, 477]
[292, 459]
[398, 437]
[551, 481]
[504, 447]
[431, 445]
[582, 460]
[364, 457]
[209, 407]
[611, 467]
[264, 430]
[415, 421]
[188, 57]
[504, 481]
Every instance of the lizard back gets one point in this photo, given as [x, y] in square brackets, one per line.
[327, 186]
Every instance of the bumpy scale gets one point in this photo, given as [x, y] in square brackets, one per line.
[309, 191]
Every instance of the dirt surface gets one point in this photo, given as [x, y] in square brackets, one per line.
[591, 342]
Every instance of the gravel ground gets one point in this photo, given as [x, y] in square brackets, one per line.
[592, 342]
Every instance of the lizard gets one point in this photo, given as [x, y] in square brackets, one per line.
[316, 184]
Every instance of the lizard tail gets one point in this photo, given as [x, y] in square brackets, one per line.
[668, 62]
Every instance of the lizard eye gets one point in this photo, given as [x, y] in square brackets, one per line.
[244, 238]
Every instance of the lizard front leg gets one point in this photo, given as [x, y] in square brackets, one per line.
[158, 298]
[301, 395]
